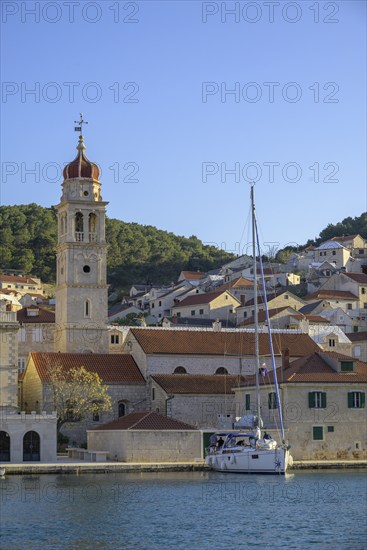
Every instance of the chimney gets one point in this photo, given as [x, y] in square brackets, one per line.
[285, 358]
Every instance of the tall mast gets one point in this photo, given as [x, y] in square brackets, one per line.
[257, 365]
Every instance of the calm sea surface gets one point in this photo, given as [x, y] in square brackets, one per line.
[191, 510]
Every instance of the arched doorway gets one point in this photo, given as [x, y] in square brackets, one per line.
[4, 447]
[31, 447]
[122, 409]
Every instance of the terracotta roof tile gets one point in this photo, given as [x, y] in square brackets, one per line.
[358, 277]
[146, 421]
[208, 342]
[193, 275]
[314, 368]
[197, 383]
[332, 295]
[116, 368]
[197, 299]
[17, 279]
[240, 282]
[44, 315]
[357, 336]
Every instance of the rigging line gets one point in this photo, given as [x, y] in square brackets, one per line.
[269, 333]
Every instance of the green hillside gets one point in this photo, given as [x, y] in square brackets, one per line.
[136, 253]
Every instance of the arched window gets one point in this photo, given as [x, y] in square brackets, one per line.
[31, 447]
[122, 409]
[79, 227]
[92, 222]
[4, 447]
[221, 370]
[180, 370]
[87, 308]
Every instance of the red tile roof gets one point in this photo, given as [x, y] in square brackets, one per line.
[357, 336]
[208, 342]
[314, 368]
[197, 299]
[44, 315]
[360, 278]
[311, 318]
[112, 368]
[331, 295]
[193, 275]
[146, 421]
[17, 279]
[197, 383]
[240, 282]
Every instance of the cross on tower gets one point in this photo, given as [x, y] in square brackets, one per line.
[80, 124]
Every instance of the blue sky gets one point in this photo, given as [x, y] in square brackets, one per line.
[154, 79]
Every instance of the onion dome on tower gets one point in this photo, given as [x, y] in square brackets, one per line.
[81, 166]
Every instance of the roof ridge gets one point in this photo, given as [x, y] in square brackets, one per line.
[140, 420]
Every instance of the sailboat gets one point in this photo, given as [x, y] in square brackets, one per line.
[246, 449]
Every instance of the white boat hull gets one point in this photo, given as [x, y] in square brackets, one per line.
[250, 461]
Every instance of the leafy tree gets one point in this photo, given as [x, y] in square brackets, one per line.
[76, 394]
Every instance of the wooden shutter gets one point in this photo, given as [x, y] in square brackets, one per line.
[311, 399]
[323, 400]
[363, 400]
[350, 400]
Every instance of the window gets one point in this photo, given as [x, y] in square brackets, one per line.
[334, 252]
[346, 366]
[272, 401]
[318, 433]
[245, 314]
[180, 370]
[86, 269]
[356, 351]
[330, 429]
[153, 394]
[86, 308]
[95, 417]
[248, 402]
[361, 251]
[317, 400]
[363, 290]
[226, 296]
[115, 338]
[231, 311]
[159, 303]
[21, 364]
[331, 343]
[152, 306]
[286, 297]
[178, 314]
[221, 370]
[192, 312]
[201, 312]
[349, 306]
[356, 400]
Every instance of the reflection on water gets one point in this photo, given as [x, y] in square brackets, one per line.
[155, 511]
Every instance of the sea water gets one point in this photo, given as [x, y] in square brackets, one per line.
[188, 510]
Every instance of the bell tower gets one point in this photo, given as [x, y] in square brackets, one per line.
[81, 285]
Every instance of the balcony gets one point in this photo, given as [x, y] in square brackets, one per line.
[92, 237]
[79, 236]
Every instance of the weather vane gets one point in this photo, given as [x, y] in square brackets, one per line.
[80, 124]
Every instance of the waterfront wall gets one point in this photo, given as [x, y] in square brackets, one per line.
[147, 446]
